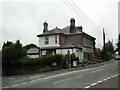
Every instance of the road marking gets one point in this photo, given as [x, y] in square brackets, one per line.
[15, 85]
[99, 81]
[11, 78]
[62, 80]
[66, 73]
[108, 78]
[42, 75]
[96, 71]
[104, 79]
[33, 81]
[24, 83]
[6, 87]
[23, 78]
[37, 76]
[93, 84]
[87, 87]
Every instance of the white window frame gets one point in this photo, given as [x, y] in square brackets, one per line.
[56, 41]
[46, 40]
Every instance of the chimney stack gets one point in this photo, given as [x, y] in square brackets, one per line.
[72, 22]
[45, 29]
[72, 26]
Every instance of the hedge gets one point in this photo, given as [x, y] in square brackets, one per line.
[40, 62]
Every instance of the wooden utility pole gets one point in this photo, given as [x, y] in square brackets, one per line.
[103, 39]
[104, 51]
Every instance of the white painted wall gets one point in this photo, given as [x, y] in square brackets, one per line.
[64, 51]
[51, 41]
[33, 56]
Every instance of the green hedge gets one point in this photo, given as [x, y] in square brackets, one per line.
[40, 62]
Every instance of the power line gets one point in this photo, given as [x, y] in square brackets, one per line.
[72, 8]
[77, 10]
[85, 16]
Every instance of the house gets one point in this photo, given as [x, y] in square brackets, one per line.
[70, 39]
[33, 53]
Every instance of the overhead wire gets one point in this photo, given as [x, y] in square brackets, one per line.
[77, 10]
[74, 10]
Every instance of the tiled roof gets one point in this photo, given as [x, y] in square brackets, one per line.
[65, 30]
[32, 50]
[64, 46]
[53, 31]
[70, 45]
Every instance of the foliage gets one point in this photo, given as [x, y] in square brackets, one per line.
[118, 45]
[7, 44]
[28, 46]
[107, 53]
[109, 47]
[11, 52]
[40, 62]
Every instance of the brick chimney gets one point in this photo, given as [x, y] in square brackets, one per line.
[72, 26]
[72, 22]
[45, 25]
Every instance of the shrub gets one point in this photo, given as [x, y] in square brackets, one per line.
[40, 62]
[108, 56]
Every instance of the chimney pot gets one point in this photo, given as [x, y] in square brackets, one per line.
[45, 29]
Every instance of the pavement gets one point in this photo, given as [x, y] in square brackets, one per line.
[101, 75]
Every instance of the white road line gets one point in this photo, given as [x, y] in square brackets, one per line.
[33, 81]
[96, 71]
[15, 85]
[115, 75]
[99, 81]
[11, 78]
[104, 79]
[65, 73]
[62, 80]
[108, 78]
[87, 87]
[23, 78]
[24, 83]
[37, 76]
[93, 84]
[42, 75]
[6, 87]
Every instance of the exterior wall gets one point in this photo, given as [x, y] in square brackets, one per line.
[77, 52]
[63, 51]
[33, 56]
[74, 39]
[51, 41]
[87, 42]
[62, 39]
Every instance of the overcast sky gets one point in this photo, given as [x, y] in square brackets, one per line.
[23, 19]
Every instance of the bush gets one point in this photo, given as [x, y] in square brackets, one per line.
[40, 62]
[108, 56]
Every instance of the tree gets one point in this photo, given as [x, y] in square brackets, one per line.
[28, 46]
[11, 52]
[109, 47]
[7, 44]
[106, 54]
[118, 45]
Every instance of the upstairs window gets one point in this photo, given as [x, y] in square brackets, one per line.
[55, 39]
[46, 40]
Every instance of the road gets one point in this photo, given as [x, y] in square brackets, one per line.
[100, 76]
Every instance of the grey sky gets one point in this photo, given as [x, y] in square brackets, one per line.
[23, 20]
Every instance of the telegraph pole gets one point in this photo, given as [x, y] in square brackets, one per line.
[104, 52]
[103, 39]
